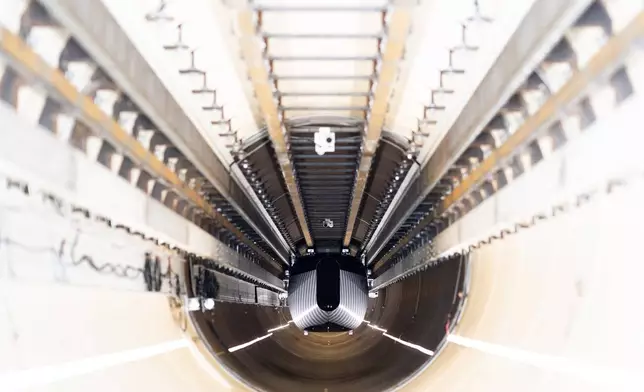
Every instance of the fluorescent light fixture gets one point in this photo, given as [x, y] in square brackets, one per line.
[236, 348]
[278, 328]
[304, 314]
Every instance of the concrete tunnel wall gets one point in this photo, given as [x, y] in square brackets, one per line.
[563, 300]
[567, 288]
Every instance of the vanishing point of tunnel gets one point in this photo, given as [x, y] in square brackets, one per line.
[321, 195]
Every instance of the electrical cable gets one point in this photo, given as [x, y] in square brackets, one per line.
[108, 268]
[151, 271]
[59, 204]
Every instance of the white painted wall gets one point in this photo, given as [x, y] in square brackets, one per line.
[44, 325]
[570, 289]
[32, 154]
[55, 318]
[556, 307]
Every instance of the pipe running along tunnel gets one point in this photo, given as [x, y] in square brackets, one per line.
[235, 196]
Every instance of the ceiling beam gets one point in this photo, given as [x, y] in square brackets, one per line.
[398, 26]
[30, 65]
[251, 45]
[103, 28]
[543, 24]
[603, 61]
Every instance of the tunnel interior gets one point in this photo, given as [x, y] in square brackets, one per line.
[500, 249]
[417, 309]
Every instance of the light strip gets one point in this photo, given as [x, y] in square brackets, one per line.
[233, 349]
[405, 343]
[398, 28]
[550, 362]
[44, 375]
[378, 328]
[280, 327]
[414, 346]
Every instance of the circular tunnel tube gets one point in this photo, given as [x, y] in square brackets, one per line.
[553, 307]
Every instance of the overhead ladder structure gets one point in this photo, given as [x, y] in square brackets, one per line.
[163, 110]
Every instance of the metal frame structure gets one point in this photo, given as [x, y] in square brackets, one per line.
[163, 176]
[261, 81]
[100, 35]
[397, 27]
[507, 149]
[331, 92]
[326, 181]
[541, 27]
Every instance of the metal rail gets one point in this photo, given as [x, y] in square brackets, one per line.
[322, 58]
[603, 62]
[30, 65]
[237, 291]
[320, 9]
[535, 34]
[398, 29]
[100, 35]
[263, 86]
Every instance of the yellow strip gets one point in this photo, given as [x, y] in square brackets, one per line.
[397, 31]
[608, 55]
[30, 63]
[264, 92]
